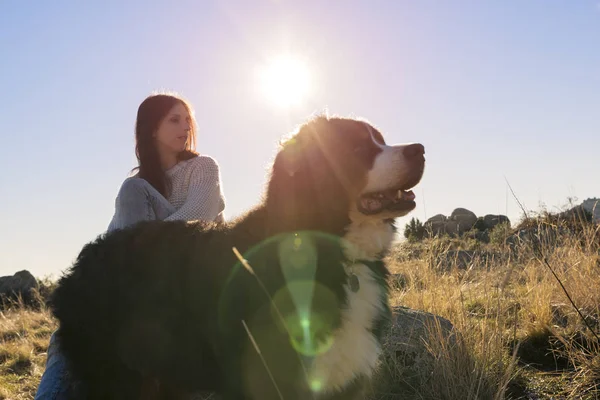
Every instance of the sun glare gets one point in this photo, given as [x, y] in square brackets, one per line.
[285, 81]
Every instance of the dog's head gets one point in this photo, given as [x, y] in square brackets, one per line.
[333, 168]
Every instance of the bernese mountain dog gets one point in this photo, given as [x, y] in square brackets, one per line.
[288, 301]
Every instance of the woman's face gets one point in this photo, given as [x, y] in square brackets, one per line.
[174, 130]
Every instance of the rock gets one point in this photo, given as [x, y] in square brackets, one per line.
[451, 228]
[544, 235]
[491, 220]
[21, 284]
[592, 206]
[463, 213]
[437, 218]
[447, 260]
[462, 221]
[464, 218]
[481, 236]
[480, 225]
[435, 225]
[435, 229]
[406, 355]
[578, 214]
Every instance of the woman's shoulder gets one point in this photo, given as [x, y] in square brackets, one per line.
[205, 162]
[133, 181]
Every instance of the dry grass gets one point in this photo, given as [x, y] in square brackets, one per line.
[518, 335]
[24, 336]
[504, 301]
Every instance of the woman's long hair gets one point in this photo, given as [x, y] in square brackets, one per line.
[150, 114]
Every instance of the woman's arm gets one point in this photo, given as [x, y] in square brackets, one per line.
[138, 201]
[205, 200]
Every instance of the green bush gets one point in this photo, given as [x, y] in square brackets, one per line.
[414, 231]
[500, 233]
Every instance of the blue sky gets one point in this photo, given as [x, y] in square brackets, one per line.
[496, 91]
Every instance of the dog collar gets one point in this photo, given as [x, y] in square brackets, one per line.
[353, 281]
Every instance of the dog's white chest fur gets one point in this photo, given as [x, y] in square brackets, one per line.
[366, 240]
[354, 350]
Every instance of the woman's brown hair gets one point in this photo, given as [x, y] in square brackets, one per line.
[150, 113]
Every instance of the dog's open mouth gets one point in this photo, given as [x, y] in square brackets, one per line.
[388, 200]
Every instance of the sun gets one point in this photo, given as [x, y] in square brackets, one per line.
[285, 81]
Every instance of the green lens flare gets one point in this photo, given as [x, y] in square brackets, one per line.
[310, 331]
[302, 308]
[305, 323]
[316, 385]
[297, 243]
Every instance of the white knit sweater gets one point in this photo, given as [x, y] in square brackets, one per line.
[196, 190]
[195, 194]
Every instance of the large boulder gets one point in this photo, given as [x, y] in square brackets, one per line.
[579, 214]
[452, 228]
[407, 349]
[465, 219]
[491, 220]
[592, 206]
[447, 260]
[436, 225]
[437, 218]
[21, 284]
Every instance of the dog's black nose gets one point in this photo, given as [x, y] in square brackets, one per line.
[414, 150]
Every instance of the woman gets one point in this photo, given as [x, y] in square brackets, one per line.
[173, 182]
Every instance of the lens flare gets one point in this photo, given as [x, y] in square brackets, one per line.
[310, 331]
[303, 308]
[316, 385]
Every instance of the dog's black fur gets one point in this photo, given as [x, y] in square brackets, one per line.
[171, 304]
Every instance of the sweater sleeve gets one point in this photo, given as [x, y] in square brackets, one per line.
[205, 200]
[137, 201]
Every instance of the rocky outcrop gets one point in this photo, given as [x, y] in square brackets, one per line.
[19, 285]
[462, 259]
[461, 221]
[436, 225]
[593, 207]
[491, 220]
[409, 349]
[465, 219]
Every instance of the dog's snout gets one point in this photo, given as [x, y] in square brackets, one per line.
[414, 150]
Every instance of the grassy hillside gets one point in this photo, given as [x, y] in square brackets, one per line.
[519, 334]
[24, 336]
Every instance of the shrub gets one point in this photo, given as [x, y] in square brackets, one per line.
[500, 233]
[414, 231]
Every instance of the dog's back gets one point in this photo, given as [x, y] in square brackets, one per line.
[171, 301]
[132, 305]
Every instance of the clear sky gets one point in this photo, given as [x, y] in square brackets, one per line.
[496, 91]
